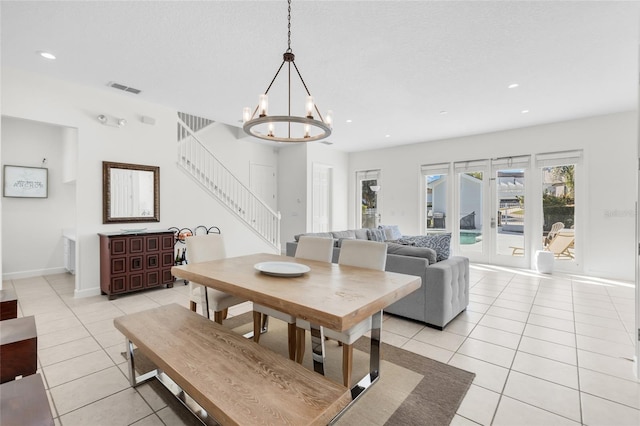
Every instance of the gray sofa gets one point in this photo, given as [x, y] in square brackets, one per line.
[445, 285]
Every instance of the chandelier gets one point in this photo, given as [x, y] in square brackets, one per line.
[287, 128]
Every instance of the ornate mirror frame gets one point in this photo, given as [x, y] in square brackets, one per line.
[110, 193]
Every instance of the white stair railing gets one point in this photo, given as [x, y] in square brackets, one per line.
[215, 178]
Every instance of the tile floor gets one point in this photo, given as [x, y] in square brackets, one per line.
[546, 350]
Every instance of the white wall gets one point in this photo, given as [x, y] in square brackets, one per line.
[292, 191]
[32, 227]
[295, 183]
[182, 202]
[610, 152]
[339, 161]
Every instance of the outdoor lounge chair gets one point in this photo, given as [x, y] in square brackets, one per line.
[560, 245]
[555, 228]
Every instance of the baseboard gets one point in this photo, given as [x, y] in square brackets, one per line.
[34, 273]
[87, 292]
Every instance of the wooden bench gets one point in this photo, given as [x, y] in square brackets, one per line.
[24, 402]
[233, 379]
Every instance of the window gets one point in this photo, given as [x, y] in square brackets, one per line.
[368, 208]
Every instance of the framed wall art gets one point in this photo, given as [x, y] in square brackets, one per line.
[25, 182]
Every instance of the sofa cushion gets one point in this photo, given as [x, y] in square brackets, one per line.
[351, 234]
[404, 250]
[441, 243]
[361, 234]
[340, 240]
[391, 232]
[376, 235]
[314, 234]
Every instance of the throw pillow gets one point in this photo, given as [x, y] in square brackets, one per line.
[361, 234]
[392, 232]
[375, 234]
[441, 243]
[426, 252]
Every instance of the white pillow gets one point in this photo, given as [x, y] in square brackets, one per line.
[391, 232]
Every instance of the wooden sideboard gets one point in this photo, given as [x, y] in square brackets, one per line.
[131, 261]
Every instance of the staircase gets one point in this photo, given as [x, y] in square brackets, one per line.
[200, 163]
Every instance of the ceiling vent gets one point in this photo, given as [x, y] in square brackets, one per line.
[326, 142]
[123, 87]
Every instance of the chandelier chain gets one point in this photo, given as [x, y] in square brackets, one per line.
[289, 29]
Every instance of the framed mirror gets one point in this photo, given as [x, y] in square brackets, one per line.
[130, 193]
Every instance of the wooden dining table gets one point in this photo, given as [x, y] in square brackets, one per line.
[328, 295]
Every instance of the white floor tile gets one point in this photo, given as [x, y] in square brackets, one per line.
[131, 408]
[625, 392]
[502, 324]
[615, 324]
[78, 393]
[604, 347]
[489, 376]
[443, 339]
[598, 411]
[519, 306]
[511, 314]
[479, 405]
[496, 336]
[547, 369]
[551, 322]
[488, 352]
[515, 413]
[543, 348]
[617, 336]
[552, 312]
[77, 367]
[428, 351]
[613, 366]
[550, 335]
[543, 394]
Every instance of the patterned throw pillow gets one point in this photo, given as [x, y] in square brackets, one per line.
[441, 243]
[375, 234]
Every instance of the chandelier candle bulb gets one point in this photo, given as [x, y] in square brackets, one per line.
[264, 105]
[246, 114]
[309, 106]
[270, 130]
[329, 119]
[307, 131]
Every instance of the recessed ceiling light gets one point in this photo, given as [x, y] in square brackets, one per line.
[349, 121]
[525, 111]
[387, 136]
[47, 55]
[513, 85]
[443, 112]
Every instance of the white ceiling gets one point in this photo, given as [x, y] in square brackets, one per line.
[390, 67]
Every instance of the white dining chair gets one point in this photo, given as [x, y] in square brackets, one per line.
[362, 254]
[311, 248]
[203, 248]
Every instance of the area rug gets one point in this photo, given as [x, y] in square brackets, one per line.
[412, 390]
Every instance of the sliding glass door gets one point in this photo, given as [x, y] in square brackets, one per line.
[509, 220]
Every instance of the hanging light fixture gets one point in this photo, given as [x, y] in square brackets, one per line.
[287, 128]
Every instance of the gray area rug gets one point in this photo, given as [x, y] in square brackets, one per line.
[412, 390]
